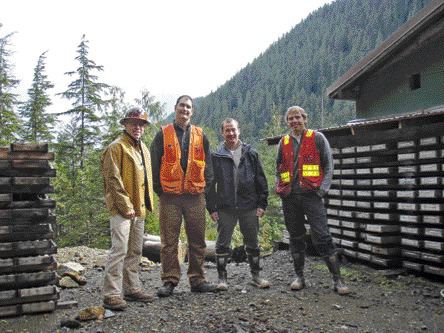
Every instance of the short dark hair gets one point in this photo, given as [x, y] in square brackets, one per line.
[229, 120]
[182, 96]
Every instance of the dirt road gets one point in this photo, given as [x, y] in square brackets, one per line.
[404, 303]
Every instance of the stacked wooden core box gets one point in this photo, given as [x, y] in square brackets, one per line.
[27, 264]
[386, 203]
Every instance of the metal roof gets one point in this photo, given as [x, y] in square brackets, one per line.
[395, 43]
[395, 121]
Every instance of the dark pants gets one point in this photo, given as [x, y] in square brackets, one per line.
[249, 227]
[172, 208]
[296, 207]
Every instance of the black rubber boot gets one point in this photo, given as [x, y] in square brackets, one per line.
[256, 280]
[297, 251]
[335, 270]
[221, 261]
[298, 263]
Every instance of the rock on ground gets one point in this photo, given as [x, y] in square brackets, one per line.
[403, 303]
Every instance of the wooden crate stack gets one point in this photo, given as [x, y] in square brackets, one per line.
[361, 213]
[27, 264]
[386, 202]
[421, 219]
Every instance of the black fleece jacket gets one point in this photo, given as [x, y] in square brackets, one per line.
[252, 187]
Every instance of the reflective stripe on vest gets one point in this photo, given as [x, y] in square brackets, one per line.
[286, 174]
[309, 162]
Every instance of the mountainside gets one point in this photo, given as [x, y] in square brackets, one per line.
[298, 68]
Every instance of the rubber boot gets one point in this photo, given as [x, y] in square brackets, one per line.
[334, 268]
[298, 263]
[256, 280]
[221, 262]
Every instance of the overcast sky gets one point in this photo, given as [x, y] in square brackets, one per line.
[170, 47]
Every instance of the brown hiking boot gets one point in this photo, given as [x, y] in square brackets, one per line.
[139, 296]
[115, 303]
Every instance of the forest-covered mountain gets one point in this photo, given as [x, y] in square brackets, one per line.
[296, 69]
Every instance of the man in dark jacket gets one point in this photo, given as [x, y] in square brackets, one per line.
[239, 192]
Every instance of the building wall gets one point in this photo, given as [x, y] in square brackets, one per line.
[388, 91]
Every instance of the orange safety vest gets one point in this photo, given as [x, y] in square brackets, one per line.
[310, 172]
[172, 177]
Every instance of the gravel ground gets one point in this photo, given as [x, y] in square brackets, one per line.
[403, 303]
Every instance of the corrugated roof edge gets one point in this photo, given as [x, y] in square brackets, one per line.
[434, 111]
[394, 42]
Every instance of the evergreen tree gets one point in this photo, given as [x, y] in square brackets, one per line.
[9, 123]
[85, 92]
[114, 112]
[155, 111]
[39, 123]
[303, 63]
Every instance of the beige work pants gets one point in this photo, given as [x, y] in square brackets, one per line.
[122, 267]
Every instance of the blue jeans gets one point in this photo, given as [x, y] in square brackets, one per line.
[296, 207]
[249, 227]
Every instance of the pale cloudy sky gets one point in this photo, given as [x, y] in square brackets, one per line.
[170, 47]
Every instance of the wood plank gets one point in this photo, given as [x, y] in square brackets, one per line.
[433, 219]
[382, 228]
[386, 262]
[27, 172]
[436, 258]
[30, 180]
[409, 218]
[27, 264]
[28, 295]
[386, 251]
[4, 153]
[413, 266]
[411, 254]
[27, 280]
[27, 248]
[30, 212]
[30, 164]
[434, 270]
[412, 231]
[28, 220]
[5, 197]
[364, 135]
[46, 203]
[41, 189]
[30, 155]
[35, 147]
[418, 243]
[434, 245]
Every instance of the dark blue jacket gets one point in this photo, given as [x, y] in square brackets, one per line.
[252, 188]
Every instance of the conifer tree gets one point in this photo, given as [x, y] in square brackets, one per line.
[39, 123]
[85, 92]
[9, 123]
[114, 112]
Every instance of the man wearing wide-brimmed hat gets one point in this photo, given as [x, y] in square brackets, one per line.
[126, 167]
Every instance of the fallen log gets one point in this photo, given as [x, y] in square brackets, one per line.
[151, 250]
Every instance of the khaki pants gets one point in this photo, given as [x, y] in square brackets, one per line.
[192, 207]
[122, 267]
